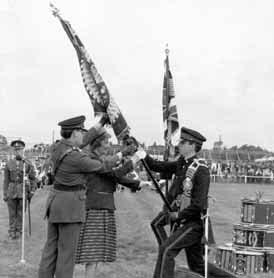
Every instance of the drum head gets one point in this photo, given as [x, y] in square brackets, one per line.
[223, 247]
[249, 253]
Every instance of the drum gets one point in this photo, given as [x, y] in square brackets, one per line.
[258, 212]
[223, 257]
[255, 236]
[247, 262]
[269, 265]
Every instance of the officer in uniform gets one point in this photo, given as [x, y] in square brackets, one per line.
[190, 185]
[13, 187]
[65, 208]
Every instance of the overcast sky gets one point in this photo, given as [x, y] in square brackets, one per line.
[221, 57]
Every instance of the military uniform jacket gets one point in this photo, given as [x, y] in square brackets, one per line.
[199, 191]
[100, 187]
[13, 178]
[70, 206]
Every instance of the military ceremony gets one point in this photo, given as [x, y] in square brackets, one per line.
[136, 139]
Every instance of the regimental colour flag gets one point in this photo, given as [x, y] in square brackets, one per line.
[99, 95]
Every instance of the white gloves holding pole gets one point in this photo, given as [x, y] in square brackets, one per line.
[140, 154]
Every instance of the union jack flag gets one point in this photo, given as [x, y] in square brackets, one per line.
[170, 115]
[99, 95]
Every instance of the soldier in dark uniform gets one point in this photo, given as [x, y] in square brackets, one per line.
[65, 207]
[13, 187]
[191, 184]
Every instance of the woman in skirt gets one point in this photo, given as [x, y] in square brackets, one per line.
[97, 242]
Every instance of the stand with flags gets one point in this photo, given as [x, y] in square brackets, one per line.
[170, 116]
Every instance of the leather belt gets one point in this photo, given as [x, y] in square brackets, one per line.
[62, 187]
[100, 192]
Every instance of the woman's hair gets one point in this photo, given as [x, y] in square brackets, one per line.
[98, 141]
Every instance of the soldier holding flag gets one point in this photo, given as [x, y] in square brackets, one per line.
[192, 187]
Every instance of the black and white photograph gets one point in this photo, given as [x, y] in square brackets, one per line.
[136, 139]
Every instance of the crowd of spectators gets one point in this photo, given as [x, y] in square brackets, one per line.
[242, 172]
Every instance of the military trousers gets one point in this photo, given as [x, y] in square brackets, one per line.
[159, 223]
[15, 207]
[187, 237]
[158, 227]
[58, 255]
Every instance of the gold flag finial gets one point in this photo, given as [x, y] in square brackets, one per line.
[55, 11]
[167, 50]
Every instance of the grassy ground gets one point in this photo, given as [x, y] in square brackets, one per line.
[137, 248]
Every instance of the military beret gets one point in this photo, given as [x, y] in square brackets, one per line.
[73, 123]
[192, 135]
[18, 144]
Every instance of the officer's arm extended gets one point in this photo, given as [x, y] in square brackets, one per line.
[89, 165]
[167, 167]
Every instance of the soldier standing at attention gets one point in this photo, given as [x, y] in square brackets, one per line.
[65, 207]
[13, 187]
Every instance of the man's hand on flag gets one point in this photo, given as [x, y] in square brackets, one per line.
[140, 154]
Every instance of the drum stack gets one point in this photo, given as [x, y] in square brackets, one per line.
[252, 248]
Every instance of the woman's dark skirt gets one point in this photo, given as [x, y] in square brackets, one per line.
[97, 241]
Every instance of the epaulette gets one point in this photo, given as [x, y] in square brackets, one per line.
[193, 167]
[76, 149]
[202, 162]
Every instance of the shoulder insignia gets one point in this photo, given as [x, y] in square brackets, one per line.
[193, 167]
[76, 149]
[202, 162]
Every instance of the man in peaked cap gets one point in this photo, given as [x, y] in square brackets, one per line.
[13, 187]
[65, 208]
[190, 186]
[76, 123]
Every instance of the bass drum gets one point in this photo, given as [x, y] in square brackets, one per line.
[223, 257]
[247, 262]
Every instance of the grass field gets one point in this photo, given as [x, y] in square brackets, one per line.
[137, 248]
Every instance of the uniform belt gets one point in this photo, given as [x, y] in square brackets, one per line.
[62, 187]
[99, 192]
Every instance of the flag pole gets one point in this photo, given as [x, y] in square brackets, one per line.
[168, 123]
[23, 261]
[206, 243]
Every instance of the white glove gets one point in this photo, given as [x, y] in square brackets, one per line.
[140, 154]
[143, 184]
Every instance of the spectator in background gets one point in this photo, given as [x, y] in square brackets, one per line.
[13, 187]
